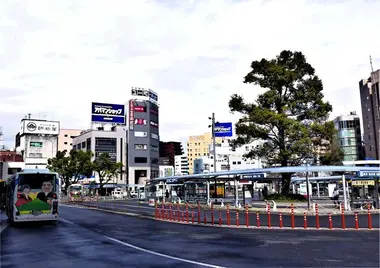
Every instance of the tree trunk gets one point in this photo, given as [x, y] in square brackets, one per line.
[285, 183]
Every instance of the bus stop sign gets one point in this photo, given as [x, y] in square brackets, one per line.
[366, 174]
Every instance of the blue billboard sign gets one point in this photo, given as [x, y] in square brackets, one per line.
[108, 113]
[223, 129]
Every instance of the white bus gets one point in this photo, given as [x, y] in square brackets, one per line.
[31, 195]
[75, 191]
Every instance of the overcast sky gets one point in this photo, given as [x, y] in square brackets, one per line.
[56, 57]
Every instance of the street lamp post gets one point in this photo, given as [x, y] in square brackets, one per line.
[307, 186]
[212, 118]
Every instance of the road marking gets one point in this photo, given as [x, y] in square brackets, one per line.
[69, 222]
[3, 227]
[162, 255]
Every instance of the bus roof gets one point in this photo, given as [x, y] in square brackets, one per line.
[35, 171]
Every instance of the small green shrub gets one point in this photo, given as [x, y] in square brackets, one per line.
[286, 197]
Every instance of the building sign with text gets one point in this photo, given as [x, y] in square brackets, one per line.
[29, 126]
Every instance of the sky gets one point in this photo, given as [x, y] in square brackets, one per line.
[56, 57]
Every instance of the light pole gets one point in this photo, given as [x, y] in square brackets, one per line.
[212, 118]
[307, 185]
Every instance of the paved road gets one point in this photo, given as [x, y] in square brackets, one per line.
[82, 239]
[134, 207]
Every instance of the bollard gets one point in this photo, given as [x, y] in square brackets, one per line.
[246, 216]
[356, 221]
[187, 213]
[292, 215]
[178, 213]
[166, 214]
[212, 214]
[342, 216]
[171, 212]
[199, 213]
[304, 220]
[316, 217]
[204, 217]
[162, 211]
[269, 221]
[281, 224]
[220, 217]
[192, 216]
[330, 221]
[237, 217]
[155, 210]
[369, 217]
[257, 219]
[183, 216]
[228, 215]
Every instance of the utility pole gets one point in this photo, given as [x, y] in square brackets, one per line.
[213, 138]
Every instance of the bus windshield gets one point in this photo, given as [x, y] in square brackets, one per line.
[76, 188]
[37, 181]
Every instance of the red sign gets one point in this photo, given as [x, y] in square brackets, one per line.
[140, 109]
[140, 121]
[131, 114]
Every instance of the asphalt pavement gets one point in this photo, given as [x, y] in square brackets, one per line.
[91, 238]
[311, 222]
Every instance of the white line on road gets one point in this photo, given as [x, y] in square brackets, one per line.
[162, 255]
[150, 251]
[3, 227]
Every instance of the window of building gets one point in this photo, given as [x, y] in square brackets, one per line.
[154, 161]
[65, 142]
[141, 147]
[141, 160]
[66, 135]
[154, 148]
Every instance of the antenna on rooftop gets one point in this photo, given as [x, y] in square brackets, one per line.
[370, 62]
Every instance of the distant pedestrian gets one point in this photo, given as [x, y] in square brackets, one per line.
[335, 197]
[167, 194]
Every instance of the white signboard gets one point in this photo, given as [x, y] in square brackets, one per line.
[39, 127]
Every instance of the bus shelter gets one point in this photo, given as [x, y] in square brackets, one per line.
[263, 174]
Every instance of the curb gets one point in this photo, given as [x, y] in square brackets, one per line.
[226, 226]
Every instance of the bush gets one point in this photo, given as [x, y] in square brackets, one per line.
[286, 197]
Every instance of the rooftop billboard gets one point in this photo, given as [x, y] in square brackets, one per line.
[108, 113]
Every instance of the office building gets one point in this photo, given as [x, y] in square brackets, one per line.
[181, 165]
[143, 136]
[37, 141]
[349, 136]
[166, 171]
[111, 141]
[370, 103]
[65, 139]
[228, 158]
[198, 146]
[169, 150]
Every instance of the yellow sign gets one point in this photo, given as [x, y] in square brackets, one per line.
[361, 183]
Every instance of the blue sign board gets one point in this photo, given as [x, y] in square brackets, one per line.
[108, 113]
[254, 176]
[366, 174]
[223, 129]
[172, 181]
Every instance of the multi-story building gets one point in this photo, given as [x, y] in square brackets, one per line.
[181, 165]
[349, 136]
[65, 139]
[370, 103]
[10, 163]
[228, 158]
[112, 141]
[37, 141]
[198, 146]
[143, 136]
[169, 150]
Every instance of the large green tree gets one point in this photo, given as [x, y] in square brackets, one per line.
[290, 117]
[107, 170]
[71, 167]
